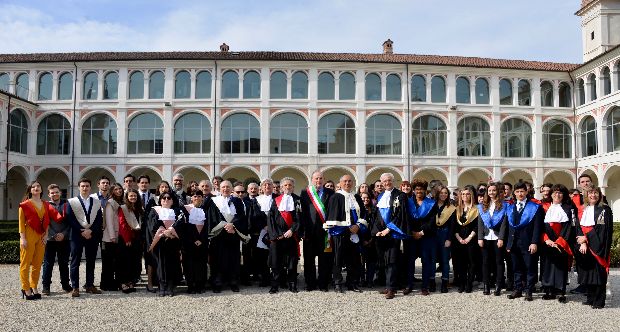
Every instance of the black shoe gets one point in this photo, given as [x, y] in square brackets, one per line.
[562, 299]
[515, 295]
[528, 296]
[548, 296]
[323, 289]
[598, 306]
[26, 296]
[432, 286]
[273, 290]
[461, 288]
[46, 291]
[354, 288]
[162, 292]
[486, 290]
[310, 288]
[217, 289]
[292, 286]
[339, 289]
[498, 291]
[67, 288]
[234, 288]
[581, 289]
[444, 286]
[586, 302]
[150, 290]
[469, 287]
[510, 286]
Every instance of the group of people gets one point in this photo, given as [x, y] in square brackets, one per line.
[216, 234]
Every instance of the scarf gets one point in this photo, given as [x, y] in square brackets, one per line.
[470, 216]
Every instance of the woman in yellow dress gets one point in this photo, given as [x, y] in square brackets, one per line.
[34, 219]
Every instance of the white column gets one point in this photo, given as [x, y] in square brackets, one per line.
[537, 135]
[451, 135]
[313, 131]
[32, 85]
[313, 84]
[494, 91]
[264, 85]
[428, 78]
[121, 132]
[168, 131]
[451, 89]
[264, 133]
[360, 84]
[168, 85]
[383, 76]
[496, 135]
[123, 84]
[472, 90]
[192, 84]
[535, 92]
[100, 80]
[360, 134]
[54, 86]
[556, 93]
[515, 91]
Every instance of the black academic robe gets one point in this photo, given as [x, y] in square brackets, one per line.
[558, 262]
[399, 216]
[310, 219]
[336, 210]
[590, 271]
[166, 251]
[283, 252]
[257, 220]
[427, 224]
[531, 234]
[465, 256]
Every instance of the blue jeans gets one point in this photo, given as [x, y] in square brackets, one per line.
[429, 257]
[443, 234]
[53, 248]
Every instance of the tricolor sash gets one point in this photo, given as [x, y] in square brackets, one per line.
[317, 202]
[422, 211]
[492, 221]
[528, 213]
[80, 214]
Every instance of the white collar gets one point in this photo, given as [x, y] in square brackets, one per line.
[555, 213]
[166, 214]
[287, 203]
[265, 202]
[197, 216]
[587, 218]
[384, 202]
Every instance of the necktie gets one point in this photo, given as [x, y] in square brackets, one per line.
[144, 200]
[519, 207]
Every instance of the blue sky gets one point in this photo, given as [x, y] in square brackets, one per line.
[544, 30]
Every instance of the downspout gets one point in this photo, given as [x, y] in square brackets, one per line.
[215, 126]
[6, 174]
[408, 117]
[73, 129]
[574, 102]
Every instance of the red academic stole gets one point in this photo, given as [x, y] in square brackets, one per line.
[557, 229]
[39, 225]
[604, 262]
[546, 206]
[288, 218]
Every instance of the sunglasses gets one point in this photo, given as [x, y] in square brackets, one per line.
[240, 192]
[166, 198]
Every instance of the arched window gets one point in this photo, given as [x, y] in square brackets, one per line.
[373, 87]
[428, 137]
[482, 91]
[438, 89]
[65, 86]
[99, 135]
[556, 139]
[392, 88]
[613, 130]
[565, 95]
[546, 94]
[581, 92]
[588, 137]
[462, 91]
[288, 134]
[299, 85]
[192, 134]
[505, 92]
[4, 82]
[145, 135]
[606, 77]
[156, 85]
[45, 86]
[346, 86]
[418, 88]
[182, 85]
[53, 135]
[592, 82]
[203, 85]
[516, 139]
[383, 135]
[251, 85]
[18, 132]
[22, 86]
[277, 85]
[110, 86]
[91, 86]
[336, 134]
[524, 93]
[230, 84]
[136, 85]
[473, 137]
[327, 87]
[240, 134]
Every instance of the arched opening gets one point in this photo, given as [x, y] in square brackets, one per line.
[430, 174]
[592, 175]
[559, 177]
[612, 192]
[193, 174]
[95, 173]
[17, 182]
[375, 175]
[301, 179]
[56, 176]
[335, 173]
[516, 175]
[473, 177]
[152, 174]
[242, 174]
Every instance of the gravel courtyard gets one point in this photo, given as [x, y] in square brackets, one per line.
[255, 310]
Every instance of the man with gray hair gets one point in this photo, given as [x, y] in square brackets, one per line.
[177, 187]
[205, 187]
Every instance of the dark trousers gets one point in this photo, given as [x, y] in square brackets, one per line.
[464, 261]
[492, 261]
[510, 274]
[128, 261]
[391, 267]
[428, 252]
[315, 247]
[346, 253]
[53, 249]
[525, 269]
[412, 250]
[255, 261]
[443, 253]
[596, 295]
[226, 263]
[109, 265]
[283, 261]
[195, 267]
[90, 248]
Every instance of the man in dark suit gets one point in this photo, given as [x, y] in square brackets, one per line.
[86, 220]
[314, 205]
[526, 220]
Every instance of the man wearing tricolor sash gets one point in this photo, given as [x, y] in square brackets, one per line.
[283, 227]
[391, 227]
[346, 221]
[86, 220]
[526, 221]
[316, 241]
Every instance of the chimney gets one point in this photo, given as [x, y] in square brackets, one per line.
[387, 47]
[224, 47]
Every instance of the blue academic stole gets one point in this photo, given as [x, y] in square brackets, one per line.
[527, 215]
[492, 221]
[422, 211]
[395, 231]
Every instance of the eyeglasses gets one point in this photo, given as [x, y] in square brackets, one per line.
[166, 198]
[240, 192]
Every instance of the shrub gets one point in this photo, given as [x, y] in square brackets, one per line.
[9, 252]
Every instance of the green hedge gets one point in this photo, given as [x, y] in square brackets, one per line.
[9, 252]
[615, 246]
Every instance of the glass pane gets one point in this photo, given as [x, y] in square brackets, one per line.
[524, 93]
[581, 91]
[203, 85]
[99, 135]
[346, 86]
[45, 87]
[53, 135]
[277, 85]
[287, 133]
[336, 134]
[327, 86]
[240, 134]
[22, 86]
[482, 91]
[4, 82]
[592, 81]
[145, 134]
[230, 84]
[182, 85]
[110, 86]
[192, 134]
[299, 86]
[505, 92]
[438, 90]
[429, 136]
[91, 86]
[373, 87]
[546, 94]
[156, 85]
[136, 85]
[393, 91]
[418, 88]
[606, 81]
[565, 95]
[462, 91]
[251, 85]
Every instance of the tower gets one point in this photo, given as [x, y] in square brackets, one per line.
[600, 26]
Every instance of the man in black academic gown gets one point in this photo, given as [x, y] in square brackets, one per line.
[346, 222]
[86, 220]
[228, 225]
[314, 206]
[526, 221]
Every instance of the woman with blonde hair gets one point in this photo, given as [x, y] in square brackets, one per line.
[465, 250]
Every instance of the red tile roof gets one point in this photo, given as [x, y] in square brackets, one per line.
[459, 61]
